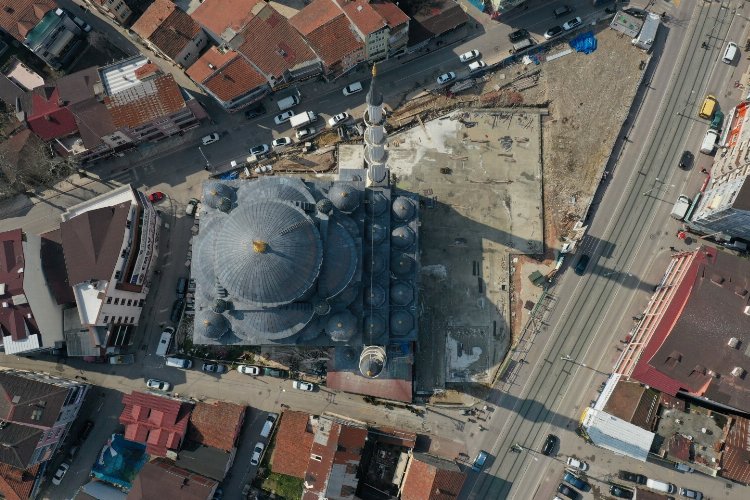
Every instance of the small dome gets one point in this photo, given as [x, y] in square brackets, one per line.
[324, 206]
[402, 264]
[376, 233]
[220, 305]
[322, 308]
[376, 264]
[374, 325]
[225, 205]
[211, 325]
[402, 237]
[403, 208]
[344, 196]
[402, 294]
[213, 192]
[402, 322]
[341, 326]
[348, 296]
[372, 361]
[378, 203]
[374, 295]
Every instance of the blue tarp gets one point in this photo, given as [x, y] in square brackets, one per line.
[120, 461]
[585, 42]
[230, 176]
[479, 4]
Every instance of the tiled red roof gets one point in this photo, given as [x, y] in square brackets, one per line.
[338, 451]
[218, 15]
[273, 45]
[432, 478]
[217, 425]
[294, 438]
[159, 422]
[16, 484]
[335, 40]
[735, 461]
[235, 79]
[167, 26]
[18, 17]
[13, 317]
[363, 15]
[314, 15]
[144, 103]
[48, 119]
[200, 70]
[390, 12]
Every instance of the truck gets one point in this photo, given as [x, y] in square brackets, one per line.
[681, 207]
[646, 37]
[709, 141]
[302, 119]
[287, 102]
[122, 359]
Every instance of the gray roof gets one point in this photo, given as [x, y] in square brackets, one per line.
[268, 253]
[276, 188]
[344, 196]
[403, 208]
[402, 237]
[274, 323]
[211, 324]
[340, 261]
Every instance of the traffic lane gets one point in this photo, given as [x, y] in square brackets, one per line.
[242, 472]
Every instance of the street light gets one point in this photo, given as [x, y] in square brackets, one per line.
[567, 357]
[208, 164]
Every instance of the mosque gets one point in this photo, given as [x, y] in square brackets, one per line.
[308, 262]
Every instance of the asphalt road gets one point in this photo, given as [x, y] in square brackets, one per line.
[628, 242]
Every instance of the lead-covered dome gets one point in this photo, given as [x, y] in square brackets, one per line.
[341, 326]
[210, 324]
[403, 208]
[275, 188]
[344, 196]
[378, 203]
[402, 293]
[214, 192]
[402, 322]
[340, 262]
[402, 237]
[402, 264]
[376, 233]
[268, 253]
[275, 323]
[374, 325]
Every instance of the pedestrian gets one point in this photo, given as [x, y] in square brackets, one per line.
[625, 138]
[704, 171]
[673, 249]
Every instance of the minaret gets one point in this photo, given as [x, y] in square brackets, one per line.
[375, 137]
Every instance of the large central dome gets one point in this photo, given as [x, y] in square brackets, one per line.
[268, 253]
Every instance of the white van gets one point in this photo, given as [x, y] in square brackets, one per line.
[709, 141]
[179, 363]
[288, 102]
[268, 425]
[661, 486]
[679, 211]
[165, 341]
[730, 53]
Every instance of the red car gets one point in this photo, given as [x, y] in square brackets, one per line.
[156, 196]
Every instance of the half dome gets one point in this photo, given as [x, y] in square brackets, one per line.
[277, 323]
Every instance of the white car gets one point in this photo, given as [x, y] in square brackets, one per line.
[336, 119]
[572, 462]
[352, 88]
[468, 56]
[192, 207]
[257, 452]
[249, 369]
[303, 386]
[573, 23]
[60, 473]
[476, 66]
[305, 132]
[159, 385]
[283, 117]
[214, 368]
[553, 32]
[446, 77]
[281, 142]
[210, 138]
[260, 149]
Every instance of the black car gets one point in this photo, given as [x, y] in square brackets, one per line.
[686, 160]
[562, 11]
[582, 263]
[255, 112]
[619, 492]
[636, 12]
[518, 35]
[568, 492]
[87, 427]
[177, 310]
[634, 478]
[549, 445]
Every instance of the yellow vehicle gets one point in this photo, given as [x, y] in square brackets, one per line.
[708, 107]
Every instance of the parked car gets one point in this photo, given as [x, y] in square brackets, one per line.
[476, 66]
[260, 149]
[468, 56]
[683, 468]
[87, 428]
[177, 307]
[257, 452]
[268, 425]
[192, 207]
[553, 32]
[549, 445]
[583, 262]
[283, 117]
[636, 12]
[214, 368]
[255, 112]
[563, 10]
[303, 386]
[60, 473]
[518, 35]
[572, 462]
[249, 369]
[686, 160]
[210, 138]
[697, 495]
[576, 481]
[573, 23]
[620, 491]
[634, 478]
[336, 119]
[156, 196]
[159, 385]
[281, 142]
[352, 88]
[568, 491]
[305, 132]
[274, 372]
[446, 77]
[480, 460]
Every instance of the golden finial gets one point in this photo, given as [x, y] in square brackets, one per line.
[374, 70]
[259, 246]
